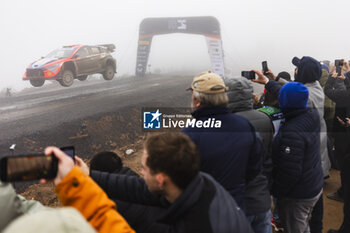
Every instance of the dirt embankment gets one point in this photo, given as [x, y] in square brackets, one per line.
[111, 132]
[118, 132]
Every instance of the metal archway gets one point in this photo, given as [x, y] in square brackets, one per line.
[207, 26]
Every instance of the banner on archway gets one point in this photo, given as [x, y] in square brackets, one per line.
[207, 26]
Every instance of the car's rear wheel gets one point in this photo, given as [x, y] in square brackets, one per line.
[67, 78]
[82, 78]
[37, 82]
[109, 72]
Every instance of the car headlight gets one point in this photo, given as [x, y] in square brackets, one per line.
[53, 68]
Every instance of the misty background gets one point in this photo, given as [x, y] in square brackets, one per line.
[251, 30]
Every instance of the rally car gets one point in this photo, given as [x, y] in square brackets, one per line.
[72, 62]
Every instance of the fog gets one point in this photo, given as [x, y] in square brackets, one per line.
[252, 31]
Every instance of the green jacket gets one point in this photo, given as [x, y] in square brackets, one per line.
[329, 105]
[13, 205]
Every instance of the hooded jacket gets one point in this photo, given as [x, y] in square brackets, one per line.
[13, 205]
[58, 220]
[240, 96]
[204, 205]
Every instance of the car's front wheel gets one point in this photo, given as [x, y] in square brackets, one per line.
[37, 82]
[67, 78]
[109, 72]
[82, 78]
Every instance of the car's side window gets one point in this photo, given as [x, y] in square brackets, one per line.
[94, 50]
[82, 52]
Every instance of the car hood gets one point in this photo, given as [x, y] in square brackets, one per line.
[43, 62]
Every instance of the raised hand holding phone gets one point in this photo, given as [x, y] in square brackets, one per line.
[261, 78]
[65, 164]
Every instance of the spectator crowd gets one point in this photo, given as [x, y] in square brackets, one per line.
[262, 170]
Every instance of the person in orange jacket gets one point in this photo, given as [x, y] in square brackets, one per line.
[76, 189]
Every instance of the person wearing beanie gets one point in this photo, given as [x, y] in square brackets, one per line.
[297, 175]
[308, 71]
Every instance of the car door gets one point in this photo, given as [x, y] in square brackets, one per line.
[95, 59]
[82, 61]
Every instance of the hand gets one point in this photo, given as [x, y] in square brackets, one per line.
[346, 66]
[345, 124]
[83, 166]
[270, 75]
[347, 121]
[255, 99]
[65, 164]
[335, 75]
[261, 78]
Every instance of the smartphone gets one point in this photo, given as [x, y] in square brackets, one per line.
[338, 63]
[248, 74]
[342, 118]
[28, 167]
[69, 150]
[264, 66]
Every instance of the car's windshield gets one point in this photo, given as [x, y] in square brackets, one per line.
[61, 53]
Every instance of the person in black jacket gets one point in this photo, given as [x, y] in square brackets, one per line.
[110, 162]
[340, 94]
[193, 201]
[298, 176]
[257, 194]
[337, 89]
[231, 153]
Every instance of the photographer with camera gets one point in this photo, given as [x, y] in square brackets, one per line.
[76, 189]
[337, 88]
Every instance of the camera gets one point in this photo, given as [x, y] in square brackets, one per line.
[28, 167]
[248, 74]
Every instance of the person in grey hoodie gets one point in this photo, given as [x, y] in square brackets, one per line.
[257, 194]
[309, 72]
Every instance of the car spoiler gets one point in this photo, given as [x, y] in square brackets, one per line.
[109, 47]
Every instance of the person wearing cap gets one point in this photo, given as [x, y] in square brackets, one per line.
[192, 200]
[232, 153]
[297, 174]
